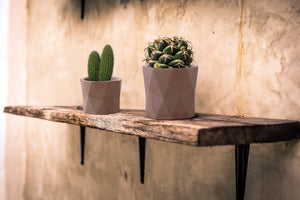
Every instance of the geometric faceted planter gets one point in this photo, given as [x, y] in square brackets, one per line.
[170, 92]
[101, 97]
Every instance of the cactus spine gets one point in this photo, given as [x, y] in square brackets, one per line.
[106, 64]
[166, 52]
[93, 66]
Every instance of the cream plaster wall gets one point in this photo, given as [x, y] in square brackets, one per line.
[3, 89]
[248, 65]
[15, 151]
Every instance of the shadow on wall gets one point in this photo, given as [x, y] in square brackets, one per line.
[268, 162]
[74, 7]
[82, 7]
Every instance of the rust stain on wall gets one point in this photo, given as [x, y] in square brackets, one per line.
[240, 64]
[27, 34]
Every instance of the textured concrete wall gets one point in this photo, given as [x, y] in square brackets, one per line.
[248, 65]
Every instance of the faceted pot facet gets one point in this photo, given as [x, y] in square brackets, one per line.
[101, 97]
[170, 92]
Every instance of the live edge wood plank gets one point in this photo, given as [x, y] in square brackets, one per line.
[202, 130]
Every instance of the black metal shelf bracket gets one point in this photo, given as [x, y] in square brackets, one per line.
[142, 151]
[82, 143]
[241, 162]
[82, 8]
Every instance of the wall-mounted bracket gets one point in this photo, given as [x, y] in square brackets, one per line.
[142, 151]
[82, 8]
[82, 143]
[241, 162]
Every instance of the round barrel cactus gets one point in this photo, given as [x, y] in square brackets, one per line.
[166, 52]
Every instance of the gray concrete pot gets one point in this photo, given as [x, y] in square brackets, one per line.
[101, 97]
[170, 92]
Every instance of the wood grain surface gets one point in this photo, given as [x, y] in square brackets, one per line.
[202, 130]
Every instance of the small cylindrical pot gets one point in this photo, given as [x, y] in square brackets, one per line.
[101, 97]
[170, 92]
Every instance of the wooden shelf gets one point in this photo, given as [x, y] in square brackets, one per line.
[202, 130]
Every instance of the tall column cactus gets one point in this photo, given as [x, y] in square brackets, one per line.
[106, 64]
[93, 66]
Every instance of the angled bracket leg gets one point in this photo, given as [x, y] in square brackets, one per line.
[241, 163]
[142, 151]
[82, 143]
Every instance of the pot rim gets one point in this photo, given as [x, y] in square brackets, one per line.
[192, 66]
[113, 79]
